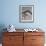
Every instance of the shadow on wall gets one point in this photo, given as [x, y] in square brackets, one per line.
[2, 26]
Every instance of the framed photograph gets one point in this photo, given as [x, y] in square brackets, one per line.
[26, 13]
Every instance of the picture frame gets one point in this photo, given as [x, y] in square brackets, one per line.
[26, 13]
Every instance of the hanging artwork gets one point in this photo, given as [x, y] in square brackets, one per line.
[26, 13]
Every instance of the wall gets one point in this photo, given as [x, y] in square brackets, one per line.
[9, 13]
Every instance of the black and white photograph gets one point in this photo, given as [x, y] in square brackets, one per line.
[26, 13]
